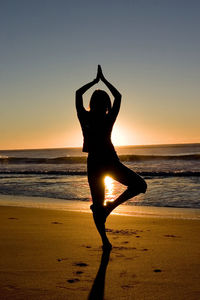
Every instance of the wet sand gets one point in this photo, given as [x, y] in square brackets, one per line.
[52, 254]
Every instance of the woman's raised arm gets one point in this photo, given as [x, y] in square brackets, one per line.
[81, 91]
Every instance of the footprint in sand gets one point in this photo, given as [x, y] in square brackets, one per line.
[123, 231]
[10, 287]
[171, 235]
[81, 264]
[61, 259]
[79, 272]
[123, 248]
[73, 280]
[56, 223]
[86, 246]
[127, 286]
[123, 273]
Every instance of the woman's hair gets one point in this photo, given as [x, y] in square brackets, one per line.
[100, 102]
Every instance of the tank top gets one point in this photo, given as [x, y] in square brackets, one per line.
[97, 134]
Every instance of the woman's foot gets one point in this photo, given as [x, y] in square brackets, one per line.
[102, 211]
[99, 212]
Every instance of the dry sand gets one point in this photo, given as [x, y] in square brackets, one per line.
[47, 254]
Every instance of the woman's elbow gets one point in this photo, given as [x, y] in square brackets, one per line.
[77, 93]
[119, 96]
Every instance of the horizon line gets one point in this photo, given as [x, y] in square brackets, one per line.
[79, 147]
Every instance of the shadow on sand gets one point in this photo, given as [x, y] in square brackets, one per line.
[97, 290]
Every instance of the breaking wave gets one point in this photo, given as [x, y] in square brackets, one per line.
[81, 173]
[82, 159]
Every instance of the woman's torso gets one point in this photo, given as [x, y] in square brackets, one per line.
[97, 131]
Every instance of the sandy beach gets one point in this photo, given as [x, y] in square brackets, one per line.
[51, 254]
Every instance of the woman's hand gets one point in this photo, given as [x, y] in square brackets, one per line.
[100, 73]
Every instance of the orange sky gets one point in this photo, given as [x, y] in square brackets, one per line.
[148, 50]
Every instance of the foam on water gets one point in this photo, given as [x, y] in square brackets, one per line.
[77, 206]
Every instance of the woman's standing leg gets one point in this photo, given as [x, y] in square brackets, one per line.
[97, 188]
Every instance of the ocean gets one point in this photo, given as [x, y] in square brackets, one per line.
[172, 173]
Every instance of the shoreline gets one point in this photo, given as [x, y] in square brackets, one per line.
[80, 206]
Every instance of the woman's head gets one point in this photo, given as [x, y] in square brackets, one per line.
[100, 102]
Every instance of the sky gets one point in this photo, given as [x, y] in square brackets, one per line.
[148, 49]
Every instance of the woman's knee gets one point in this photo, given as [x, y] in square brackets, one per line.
[140, 186]
[143, 186]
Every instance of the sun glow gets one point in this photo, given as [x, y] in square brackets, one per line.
[109, 185]
[119, 136]
[123, 135]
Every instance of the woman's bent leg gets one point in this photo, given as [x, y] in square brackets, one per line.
[135, 184]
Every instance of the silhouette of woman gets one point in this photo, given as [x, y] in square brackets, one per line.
[97, 124]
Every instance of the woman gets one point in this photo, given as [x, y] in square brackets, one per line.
[97, 124]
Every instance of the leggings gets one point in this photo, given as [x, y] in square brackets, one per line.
[98, 168]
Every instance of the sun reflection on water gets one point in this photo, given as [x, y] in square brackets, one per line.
[109, 186]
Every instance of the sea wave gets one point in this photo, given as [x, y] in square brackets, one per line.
[82, 159]
[83, 173]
